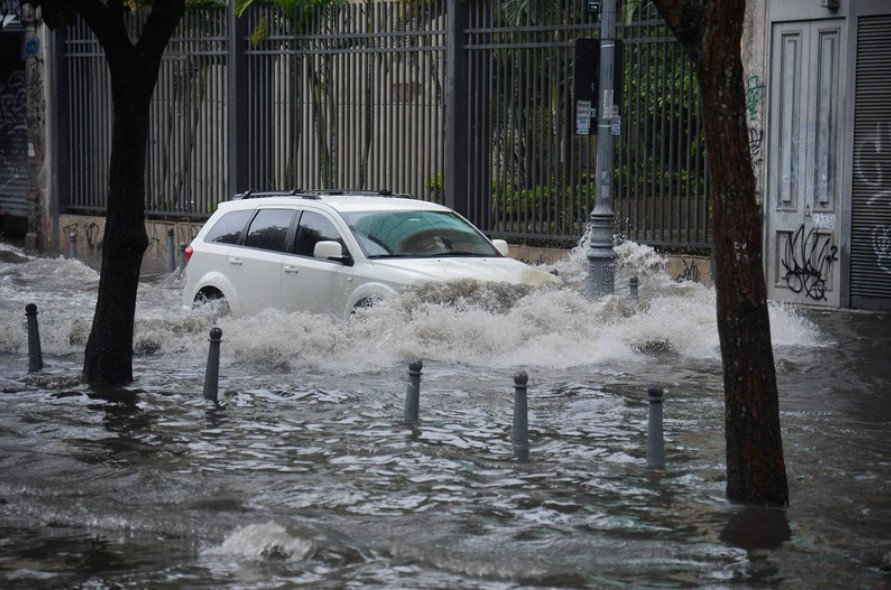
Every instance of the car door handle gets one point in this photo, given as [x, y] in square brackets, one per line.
[235, 261]
[291, 270]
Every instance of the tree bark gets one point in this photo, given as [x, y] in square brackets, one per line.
[756, 470]
[133, 69]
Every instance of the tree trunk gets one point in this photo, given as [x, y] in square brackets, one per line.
[756, 471]
[133, 69]
[109, 354]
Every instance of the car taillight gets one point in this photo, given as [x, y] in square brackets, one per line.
[188, 253]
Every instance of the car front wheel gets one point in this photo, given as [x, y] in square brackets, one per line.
[212, 298]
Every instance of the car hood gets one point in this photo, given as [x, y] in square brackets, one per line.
[505, 270]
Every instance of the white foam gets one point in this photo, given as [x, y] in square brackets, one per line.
[261, 542]
[460, 324]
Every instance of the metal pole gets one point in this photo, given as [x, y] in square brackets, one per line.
[520, 435]
[171, 251]
[72, 246]
[35, 354]
[601, 256]
[182, 258]
[655, 443]
[457, 137]
[413, 391]
[212, 373]
[632, 288]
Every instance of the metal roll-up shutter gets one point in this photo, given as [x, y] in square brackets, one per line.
[13, 126]
[871, 198]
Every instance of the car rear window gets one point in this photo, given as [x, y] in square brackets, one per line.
[269, 229]
[229, 227]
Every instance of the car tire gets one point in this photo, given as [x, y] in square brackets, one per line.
[364, 303]
[213, 298]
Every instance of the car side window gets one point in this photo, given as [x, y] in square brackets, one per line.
[228, 229]
[315, 228]
[269, 229]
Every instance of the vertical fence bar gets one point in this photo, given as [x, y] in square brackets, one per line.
[456, 101]
[237, 104]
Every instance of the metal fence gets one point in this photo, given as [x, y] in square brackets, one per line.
[186, 160]
[347, 95]
[462, 102]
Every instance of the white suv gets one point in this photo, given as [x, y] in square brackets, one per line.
[330, 252]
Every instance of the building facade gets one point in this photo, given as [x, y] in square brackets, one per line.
[820, 130]
[818, 82]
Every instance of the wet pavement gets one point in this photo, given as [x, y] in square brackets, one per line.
[306, 476]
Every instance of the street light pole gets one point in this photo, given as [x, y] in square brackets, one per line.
[601, 256]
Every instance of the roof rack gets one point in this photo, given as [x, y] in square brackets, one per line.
[317, 194]
[261, 194]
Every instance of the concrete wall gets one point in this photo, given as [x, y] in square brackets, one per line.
[754, 47]
[88, 232]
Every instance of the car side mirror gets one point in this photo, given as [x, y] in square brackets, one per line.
[331, 250]
[501, 246]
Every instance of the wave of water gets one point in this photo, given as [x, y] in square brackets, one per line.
[305, 475]
[495, 326]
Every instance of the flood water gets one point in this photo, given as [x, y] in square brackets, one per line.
[305, 476]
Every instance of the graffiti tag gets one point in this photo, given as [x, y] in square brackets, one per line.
[807, 261]
[871, 166]
[754, 89]
[881, 244]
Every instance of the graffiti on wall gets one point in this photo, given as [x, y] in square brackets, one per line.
[807, 261]
[754, 93]
[13, 128]
[690, 272]
[872, 164]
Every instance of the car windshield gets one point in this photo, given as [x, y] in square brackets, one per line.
[384, 234]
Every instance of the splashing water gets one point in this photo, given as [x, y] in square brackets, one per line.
[465, 323]
[305, 476]
[263, 541]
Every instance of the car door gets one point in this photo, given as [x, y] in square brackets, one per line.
[254, 268]
[309, 284]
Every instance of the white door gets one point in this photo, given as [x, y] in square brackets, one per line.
[310, 284]
[254, 268]
[804, 161]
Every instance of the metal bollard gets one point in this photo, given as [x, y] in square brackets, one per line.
[212, 373]
[182, 258]
[520, 435]
[35, 355]
[72, 246]
[171, 251]
[632, 287]
[655, 443]
[413, 391]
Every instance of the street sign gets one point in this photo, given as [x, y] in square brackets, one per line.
[583, 117]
